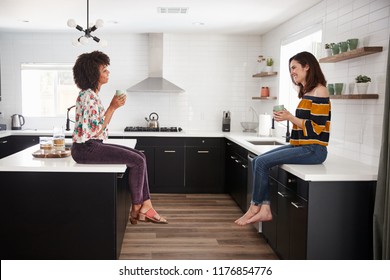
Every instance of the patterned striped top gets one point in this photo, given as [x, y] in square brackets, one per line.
[315, 113]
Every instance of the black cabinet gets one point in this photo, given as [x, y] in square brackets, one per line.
[169, 169]
[57, 215]
[204, 166]
[237, 174]
[5, 146]
[13, 144]
[319, 220]
[184, 164]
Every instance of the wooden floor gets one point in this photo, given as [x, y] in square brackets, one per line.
[201, 227]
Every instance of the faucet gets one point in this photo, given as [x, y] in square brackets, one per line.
[288, 135]
[67, 118]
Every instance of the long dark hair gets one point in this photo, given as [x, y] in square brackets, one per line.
[314, 74]
[86, 72]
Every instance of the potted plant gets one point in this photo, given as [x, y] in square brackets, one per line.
[335, 48]
[328, 49]
[269, 62]
[362, 83]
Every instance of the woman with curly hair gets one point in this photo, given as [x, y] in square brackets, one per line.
[90, 72]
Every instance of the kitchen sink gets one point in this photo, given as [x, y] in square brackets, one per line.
[266, 142]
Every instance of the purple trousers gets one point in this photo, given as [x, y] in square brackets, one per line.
[95, 152]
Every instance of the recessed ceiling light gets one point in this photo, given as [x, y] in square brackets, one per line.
[172, 10]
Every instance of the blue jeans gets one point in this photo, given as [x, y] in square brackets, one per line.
[287, 154]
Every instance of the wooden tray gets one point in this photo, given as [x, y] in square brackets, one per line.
[52, 154]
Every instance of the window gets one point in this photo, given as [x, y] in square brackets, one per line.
[47, 89]
[307, 40]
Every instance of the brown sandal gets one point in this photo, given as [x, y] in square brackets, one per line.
[150, 216]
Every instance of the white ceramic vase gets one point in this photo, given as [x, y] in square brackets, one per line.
[362, 88]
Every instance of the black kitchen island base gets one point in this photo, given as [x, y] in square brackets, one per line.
[60, 215]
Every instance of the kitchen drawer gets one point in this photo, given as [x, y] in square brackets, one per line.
[159, 141]
[292, 182]
[203, 142]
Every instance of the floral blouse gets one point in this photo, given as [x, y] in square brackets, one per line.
[89, 117]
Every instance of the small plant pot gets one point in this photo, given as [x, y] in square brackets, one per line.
[328, 52]
[335, 49]
[362, 88]
[268, 69]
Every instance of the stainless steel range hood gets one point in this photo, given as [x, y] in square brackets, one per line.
[155, 82]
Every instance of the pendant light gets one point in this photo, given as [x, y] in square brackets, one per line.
[84, 39]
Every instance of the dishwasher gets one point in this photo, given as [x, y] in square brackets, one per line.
[251, 157]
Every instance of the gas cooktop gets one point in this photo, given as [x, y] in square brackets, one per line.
[151, 129]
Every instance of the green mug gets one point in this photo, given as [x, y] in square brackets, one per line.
[352, 43]
[335, 49]
[338, 88]
[343, 46]
[331, 89]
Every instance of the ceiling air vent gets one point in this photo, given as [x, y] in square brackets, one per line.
[172, 10]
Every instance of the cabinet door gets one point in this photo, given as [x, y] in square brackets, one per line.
[20, 143]
[283, 223]
[149, 154]
[269, 228]
[5, 147]
[169, 169]
[203, 170]
[298, 228]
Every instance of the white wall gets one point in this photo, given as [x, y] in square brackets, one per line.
[216, 72]
[356, 128]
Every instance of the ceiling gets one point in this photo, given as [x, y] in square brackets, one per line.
[136, 16]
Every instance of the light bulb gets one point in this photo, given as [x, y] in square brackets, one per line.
[72, 23]
[103, 43]
[99, 23]
[84, 40]
[75, 42]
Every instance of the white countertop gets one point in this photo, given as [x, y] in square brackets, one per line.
[24, 161]
[335, 168]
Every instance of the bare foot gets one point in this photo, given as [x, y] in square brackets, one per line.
[252, 211]
[262, 216]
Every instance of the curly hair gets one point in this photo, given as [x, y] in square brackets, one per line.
[86, 69]
[314, 74]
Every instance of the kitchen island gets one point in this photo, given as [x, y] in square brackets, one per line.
[54, 208]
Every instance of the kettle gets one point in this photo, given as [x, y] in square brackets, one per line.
[153, 120]
[17, 121]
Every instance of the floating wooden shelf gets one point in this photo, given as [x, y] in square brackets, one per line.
[264, 74]
[264, 98]
[355, 96]
[351, 54]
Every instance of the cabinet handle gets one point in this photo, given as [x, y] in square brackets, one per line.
[4, 142]
[228, 143]
[170, 151]
[233, 157]
[238, 161]
[203, 152]
[244, 166]
[142, 151]
[297, 205]
[282, 194]
[119, 175]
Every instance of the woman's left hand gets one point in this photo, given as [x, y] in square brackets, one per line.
[118, 101]
[282, 115]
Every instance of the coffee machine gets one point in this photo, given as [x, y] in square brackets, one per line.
[226, 121]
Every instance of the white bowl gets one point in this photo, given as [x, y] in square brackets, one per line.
[250, 126]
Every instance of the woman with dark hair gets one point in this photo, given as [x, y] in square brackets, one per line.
[309, 136]
[90, 72]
